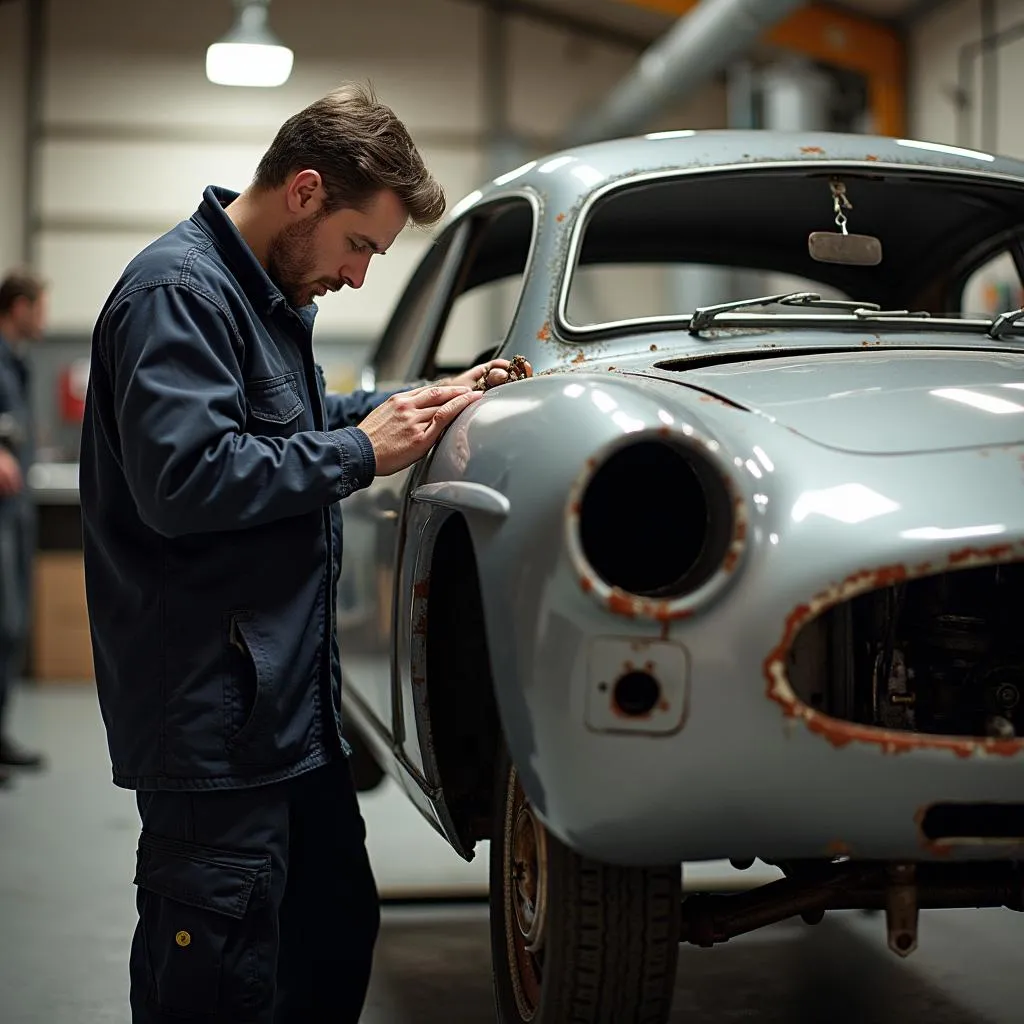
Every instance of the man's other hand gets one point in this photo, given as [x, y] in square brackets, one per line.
[10, 474]
[496, 371]
[403, 428]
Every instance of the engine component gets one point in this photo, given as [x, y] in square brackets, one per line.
[813, 888]
[942, 655]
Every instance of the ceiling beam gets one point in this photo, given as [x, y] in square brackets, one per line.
[585, 28]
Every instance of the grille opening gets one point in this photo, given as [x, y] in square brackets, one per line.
[973, 821]
[942, 655]
[636, 694]
[655, 520]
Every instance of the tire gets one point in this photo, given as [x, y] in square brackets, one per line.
[605, 938]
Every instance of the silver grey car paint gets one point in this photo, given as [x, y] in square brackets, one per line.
[847, 470]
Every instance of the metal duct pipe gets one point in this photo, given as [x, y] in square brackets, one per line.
[692, 51]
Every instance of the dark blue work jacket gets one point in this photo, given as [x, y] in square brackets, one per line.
[17, 431]
[212, 464]
[17, 511]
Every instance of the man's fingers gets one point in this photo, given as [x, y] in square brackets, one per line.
[443, 416]
[435, 394]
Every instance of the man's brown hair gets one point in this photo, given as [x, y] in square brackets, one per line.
[19, 284]
[359, 147]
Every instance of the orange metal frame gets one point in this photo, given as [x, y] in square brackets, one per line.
[845, 41]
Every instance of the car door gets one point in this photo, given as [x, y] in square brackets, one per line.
[371, 517]
[475, 324]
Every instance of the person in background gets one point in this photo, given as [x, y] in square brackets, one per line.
[22, 321]
[213, 462]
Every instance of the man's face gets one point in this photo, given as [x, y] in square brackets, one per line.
[29, 318]
[322, 253]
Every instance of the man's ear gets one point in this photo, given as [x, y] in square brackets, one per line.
[305, 192]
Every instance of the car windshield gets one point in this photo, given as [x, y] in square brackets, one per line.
[950, 245]
[614, 292]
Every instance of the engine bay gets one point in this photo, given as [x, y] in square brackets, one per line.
[942, 655]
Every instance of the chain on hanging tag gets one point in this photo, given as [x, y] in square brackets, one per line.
[840, 200]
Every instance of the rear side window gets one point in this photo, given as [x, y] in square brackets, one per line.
[489, 287]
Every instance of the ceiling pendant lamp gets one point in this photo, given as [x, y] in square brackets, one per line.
[250, 54]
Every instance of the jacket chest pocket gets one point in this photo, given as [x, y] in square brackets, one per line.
[274, 405]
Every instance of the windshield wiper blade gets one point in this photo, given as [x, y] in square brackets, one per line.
[1004, 323]
[863, 310]
[706, 315]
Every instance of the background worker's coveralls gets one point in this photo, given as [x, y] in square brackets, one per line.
[212, 464]
[17, 523]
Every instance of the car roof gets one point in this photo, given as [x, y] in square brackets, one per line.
[572, 174]
[967, 199]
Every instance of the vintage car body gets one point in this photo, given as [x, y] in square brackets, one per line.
[786, 479]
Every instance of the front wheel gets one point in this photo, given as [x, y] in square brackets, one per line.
[574, 941]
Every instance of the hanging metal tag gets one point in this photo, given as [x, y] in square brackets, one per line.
[853, 250]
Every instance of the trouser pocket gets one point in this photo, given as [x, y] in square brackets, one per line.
[200, 926]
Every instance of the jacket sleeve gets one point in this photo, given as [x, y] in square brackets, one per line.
[179, 400]
[350, 410]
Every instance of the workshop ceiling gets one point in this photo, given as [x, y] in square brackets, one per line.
[644, 18]
[890, 9]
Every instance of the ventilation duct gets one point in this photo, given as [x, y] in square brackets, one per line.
[700, 44]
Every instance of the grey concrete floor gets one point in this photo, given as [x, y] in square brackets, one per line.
[67, 840]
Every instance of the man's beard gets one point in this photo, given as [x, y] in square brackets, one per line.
[290, 260]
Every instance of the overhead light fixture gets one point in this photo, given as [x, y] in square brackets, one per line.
[250, 54]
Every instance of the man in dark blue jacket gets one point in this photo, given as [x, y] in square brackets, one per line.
[22, 320]
[212, 465]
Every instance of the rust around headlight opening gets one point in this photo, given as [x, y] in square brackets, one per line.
[842, 733]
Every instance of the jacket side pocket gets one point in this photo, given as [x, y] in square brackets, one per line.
[245, 689]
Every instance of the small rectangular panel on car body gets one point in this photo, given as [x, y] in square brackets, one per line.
[636, 685]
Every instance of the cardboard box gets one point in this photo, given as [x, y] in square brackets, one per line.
[61, 644]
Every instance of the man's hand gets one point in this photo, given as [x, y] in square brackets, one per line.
[10, 474]
[403, 428]
[496, 371]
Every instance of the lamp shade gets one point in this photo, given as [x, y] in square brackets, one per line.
[249, 55]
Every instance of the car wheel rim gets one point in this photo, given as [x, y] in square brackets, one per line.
[525, 897]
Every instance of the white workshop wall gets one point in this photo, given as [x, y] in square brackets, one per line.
[12, 131]
[935, 44]
[133, 131]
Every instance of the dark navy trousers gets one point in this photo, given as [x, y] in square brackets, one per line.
[256, 906]
[17, 550]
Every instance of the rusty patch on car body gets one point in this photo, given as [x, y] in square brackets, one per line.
[631, 606]
[739, 533]
[842, 733]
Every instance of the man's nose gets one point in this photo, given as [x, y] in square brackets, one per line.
[354, 274]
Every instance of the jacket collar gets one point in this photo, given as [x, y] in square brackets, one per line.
[214, 221]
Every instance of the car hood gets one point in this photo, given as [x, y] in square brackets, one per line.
[880, 402]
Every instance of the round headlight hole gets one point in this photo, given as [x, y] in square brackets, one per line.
[655, 520]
